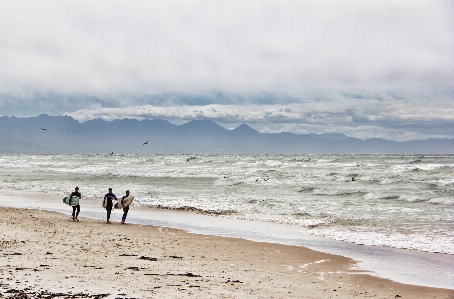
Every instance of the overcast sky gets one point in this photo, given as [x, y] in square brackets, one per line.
[363, 68]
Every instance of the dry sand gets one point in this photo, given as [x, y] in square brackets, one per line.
[44, 255]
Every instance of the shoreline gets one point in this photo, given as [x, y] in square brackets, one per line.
[42, 250]
[400, 265]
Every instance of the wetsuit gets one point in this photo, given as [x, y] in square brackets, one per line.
[76, 209]
[108, 203]
[125, 210]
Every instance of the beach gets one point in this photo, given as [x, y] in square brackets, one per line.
[43, 252]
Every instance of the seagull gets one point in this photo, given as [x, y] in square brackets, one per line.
[43, 129]
[265, 179]
[145, 142]
[111, 153]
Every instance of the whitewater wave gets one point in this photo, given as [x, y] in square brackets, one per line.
[389, 181]
[415, 161]
[412, 198]
[374, 195]
[364, 236]
[322, 191]
[227, 182]
[326, 192]
[442, 201]
[441, 183]
[196, 210]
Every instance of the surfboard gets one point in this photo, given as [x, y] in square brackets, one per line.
[73, 201]
[123, 203]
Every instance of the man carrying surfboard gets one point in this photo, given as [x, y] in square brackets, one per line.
[76, 208]
[107, 203]
[125, 209]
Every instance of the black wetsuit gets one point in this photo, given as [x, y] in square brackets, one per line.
[76, 209]
[125, 210]
[108, 203]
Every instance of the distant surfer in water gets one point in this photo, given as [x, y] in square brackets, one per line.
[107, 203]
[125, 210]
[76, 209]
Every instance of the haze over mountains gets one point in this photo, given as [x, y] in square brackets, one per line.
[63, 135]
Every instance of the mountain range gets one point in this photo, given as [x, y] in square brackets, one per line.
[46, 134]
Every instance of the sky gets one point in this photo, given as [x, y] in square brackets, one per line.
[368, 69]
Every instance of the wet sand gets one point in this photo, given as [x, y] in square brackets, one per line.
[44, 252]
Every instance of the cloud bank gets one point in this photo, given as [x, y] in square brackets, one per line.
[387, 119]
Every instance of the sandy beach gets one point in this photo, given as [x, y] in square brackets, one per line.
[45, 254]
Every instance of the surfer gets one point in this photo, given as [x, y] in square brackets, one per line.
[125, 210]
[107, 203]
[76, 209]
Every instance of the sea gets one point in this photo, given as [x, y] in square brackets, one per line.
[403, 202]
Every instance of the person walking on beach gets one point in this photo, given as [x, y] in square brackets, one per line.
[107, 203]
[76, 209]
[126, 209]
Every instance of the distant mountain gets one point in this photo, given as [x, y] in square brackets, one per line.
[245, 130]
[64, 135]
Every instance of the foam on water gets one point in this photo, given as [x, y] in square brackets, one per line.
[412, 198]
[374, 196]
[392, 238]
[442, 201]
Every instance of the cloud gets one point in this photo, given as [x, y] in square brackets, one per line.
[391, 119]
[106, 49]
[349, 56]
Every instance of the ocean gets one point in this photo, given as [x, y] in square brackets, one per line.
[384, 201]
[394, 201]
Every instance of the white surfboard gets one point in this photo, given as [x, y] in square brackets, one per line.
[72, 201]
[123, 203]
